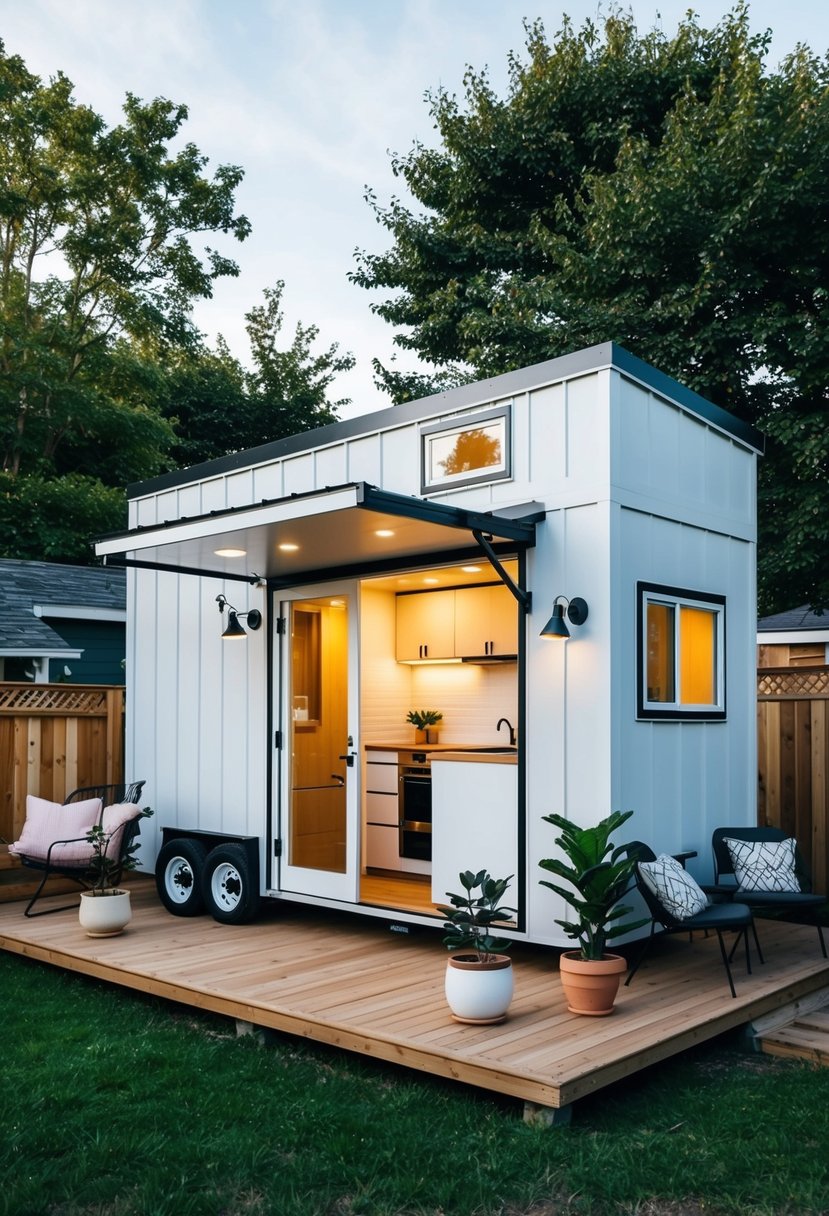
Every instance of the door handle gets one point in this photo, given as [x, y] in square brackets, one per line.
[349, 759]
[337, 777]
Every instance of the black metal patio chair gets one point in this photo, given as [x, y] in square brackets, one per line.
[713, 917]
[757, 870]
[77, 868]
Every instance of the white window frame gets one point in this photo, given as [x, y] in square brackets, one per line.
[429, 434]
[676, 598]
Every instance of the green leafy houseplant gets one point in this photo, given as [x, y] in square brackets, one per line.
[599, 882]
[421, 718]
[471, 916]
[102, 866]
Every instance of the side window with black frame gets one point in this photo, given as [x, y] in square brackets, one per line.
[680, 653]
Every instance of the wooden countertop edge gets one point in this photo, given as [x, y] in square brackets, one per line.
[478, 757]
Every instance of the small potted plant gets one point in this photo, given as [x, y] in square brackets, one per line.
[105, 909]
[479, 983]
[422, 720]
[599, 875]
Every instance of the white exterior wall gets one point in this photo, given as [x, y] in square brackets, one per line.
[635, 489]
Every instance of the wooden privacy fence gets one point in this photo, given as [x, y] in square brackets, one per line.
[793, 754]
[55, 738]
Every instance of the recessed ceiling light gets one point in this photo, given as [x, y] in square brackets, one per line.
[431, 580]
[384, 532]
[471, 569]
[230, 552]
[288, 547]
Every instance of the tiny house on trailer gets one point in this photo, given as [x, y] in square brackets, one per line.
[437, 554]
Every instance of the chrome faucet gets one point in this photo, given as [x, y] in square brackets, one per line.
[506, 722]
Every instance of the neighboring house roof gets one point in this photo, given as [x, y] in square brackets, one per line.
[31, 593]
[798, 625]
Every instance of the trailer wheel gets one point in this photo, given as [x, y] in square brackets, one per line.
[178, 876]
[230, 892]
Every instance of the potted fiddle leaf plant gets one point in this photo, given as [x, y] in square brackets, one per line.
[479, 981]
[105, 908]
[598, 875]
[425, 722]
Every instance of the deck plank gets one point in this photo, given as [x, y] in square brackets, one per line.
[353, 985]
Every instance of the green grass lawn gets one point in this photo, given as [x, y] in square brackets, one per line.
[116, 1104]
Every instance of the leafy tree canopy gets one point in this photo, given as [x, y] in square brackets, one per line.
[666, 193]
[97, 261]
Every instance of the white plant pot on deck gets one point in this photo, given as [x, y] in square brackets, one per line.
[479, 992]
[104, 915]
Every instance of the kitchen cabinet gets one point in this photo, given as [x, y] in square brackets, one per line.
[426, 626]
[469, 622]
[486, 621]
[474, 822]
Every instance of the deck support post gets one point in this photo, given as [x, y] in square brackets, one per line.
[249, 1029]
[548, 1116]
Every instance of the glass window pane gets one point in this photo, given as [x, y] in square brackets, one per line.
[466, 451]
[660, 671]
[698, 673]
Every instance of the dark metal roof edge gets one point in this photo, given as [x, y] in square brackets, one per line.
[577, 363]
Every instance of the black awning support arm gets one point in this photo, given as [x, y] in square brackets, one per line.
[113, 559]
[523, 596]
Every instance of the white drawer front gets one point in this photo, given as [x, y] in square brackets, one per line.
[382, 808]
[382, 778]
[382, 848]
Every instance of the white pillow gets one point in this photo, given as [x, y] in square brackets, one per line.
[673, 886]
[113, 821]
[763, 865]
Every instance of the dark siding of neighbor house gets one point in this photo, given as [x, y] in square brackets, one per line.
[103, 647]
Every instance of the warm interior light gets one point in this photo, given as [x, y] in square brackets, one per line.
[384, 532]
[288, 547]
[230, 552]
[471, 569]
[431, 580]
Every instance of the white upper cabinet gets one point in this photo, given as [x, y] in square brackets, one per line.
[470, 622]
[486, 621]
[426, 626]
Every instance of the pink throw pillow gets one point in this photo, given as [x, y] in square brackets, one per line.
[113, 820]
[50, 821]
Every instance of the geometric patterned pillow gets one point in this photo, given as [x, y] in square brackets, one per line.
[673, 886]
[763, 866]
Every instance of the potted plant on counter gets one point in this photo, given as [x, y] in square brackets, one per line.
[479, 982]
[105, 908]
[425, 722]
[599, 875]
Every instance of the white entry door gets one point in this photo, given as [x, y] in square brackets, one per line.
[318, 774]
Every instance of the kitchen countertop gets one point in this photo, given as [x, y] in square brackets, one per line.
[469, 752]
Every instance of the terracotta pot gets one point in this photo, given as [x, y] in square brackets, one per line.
[104, 915]
[479, 993]
[420, 735]
[590, 985]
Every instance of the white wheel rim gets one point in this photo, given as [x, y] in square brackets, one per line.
[226, 886]
[179, 879]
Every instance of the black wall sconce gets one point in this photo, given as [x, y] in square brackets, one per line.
[234, 616]
[576, 612]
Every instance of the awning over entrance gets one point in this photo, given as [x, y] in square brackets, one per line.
[346, 529]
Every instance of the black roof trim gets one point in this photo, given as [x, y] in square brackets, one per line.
[480, 392]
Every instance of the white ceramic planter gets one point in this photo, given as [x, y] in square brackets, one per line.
[104, 915]
[479, 993]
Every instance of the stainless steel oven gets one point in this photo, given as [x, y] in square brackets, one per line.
[415, 806]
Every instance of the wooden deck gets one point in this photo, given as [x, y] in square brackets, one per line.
[351, 983]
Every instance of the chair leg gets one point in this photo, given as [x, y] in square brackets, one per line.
[724, 954]
[635, 967]
[47, 874]
[819, 927]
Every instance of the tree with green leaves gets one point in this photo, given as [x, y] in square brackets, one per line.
[666, 193]
[98, 263]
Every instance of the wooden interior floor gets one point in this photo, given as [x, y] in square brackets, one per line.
[401, 892]
[349, 982]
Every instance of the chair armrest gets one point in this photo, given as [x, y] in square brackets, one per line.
[683, 857]
[723, 892]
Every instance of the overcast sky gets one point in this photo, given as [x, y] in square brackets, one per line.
[309, 97]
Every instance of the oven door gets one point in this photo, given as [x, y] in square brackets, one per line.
[416, 813]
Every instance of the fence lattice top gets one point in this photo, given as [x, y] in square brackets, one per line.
[793, 681]
[51, 699]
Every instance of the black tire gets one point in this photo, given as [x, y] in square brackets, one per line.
[230, 891]
[179, 873]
